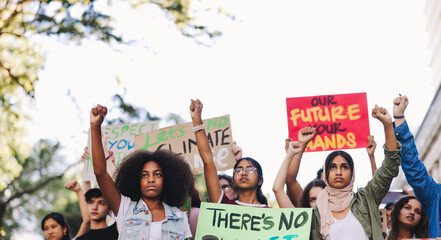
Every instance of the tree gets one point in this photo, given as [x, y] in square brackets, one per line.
[128, 113]
[21, 59]
[42, 168]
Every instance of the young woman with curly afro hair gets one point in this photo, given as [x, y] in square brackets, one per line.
[148, 190]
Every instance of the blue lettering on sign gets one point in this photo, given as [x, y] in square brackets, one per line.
[121, 144]
[287, 237]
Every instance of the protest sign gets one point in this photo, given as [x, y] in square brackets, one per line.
[120, 139]
[233, 222]
[180, 139]
[341, 120]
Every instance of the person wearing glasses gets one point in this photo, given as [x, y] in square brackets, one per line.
[247, 173]
[226, 183]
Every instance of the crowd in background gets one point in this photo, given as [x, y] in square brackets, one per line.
[144, 199]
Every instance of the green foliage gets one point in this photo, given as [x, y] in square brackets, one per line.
[35, 187]
[57, 199]
[72, 19]
[202, 187]
[181, 13]
[128, 113]
[28, 181]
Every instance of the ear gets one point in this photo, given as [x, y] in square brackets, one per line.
[64, 230]
[260, 182]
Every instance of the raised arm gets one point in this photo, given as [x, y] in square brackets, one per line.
[210, 172]
[371, 150]
[84, 158]
[383, 116]
[294, 189]
[414, 170]
[279, 183]
[85, 224]
[378, 187]
[105, 182]
[236, 150]
[400, 105]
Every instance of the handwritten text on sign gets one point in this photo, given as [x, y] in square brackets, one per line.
[341, 120]
[181, 139]
[224, 221]
[120, 139]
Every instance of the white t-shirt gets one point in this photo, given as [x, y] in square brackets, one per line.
[348, 228]
[155, 230]
[123, 207]
[224, 199]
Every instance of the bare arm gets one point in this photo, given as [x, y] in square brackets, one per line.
[210, 172]
[105, 182]
[279, 183]
[384, 117]
[294, 189]
[84, 158]
[85, 224]
[371, 150]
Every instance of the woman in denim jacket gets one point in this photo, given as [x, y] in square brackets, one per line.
[149, 188]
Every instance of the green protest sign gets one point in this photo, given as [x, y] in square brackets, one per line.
[233, 222]
[120, 139]
[180, 139]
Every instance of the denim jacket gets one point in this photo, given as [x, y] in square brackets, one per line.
[366, 200]
[136, 223]
[427, 191]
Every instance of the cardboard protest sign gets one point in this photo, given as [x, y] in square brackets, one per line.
[233, 222]
[341, 120]
[120, 139]
[181, 139]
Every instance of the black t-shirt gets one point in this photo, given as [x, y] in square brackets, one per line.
[108, 233]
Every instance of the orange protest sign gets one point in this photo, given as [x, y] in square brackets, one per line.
[341, 120]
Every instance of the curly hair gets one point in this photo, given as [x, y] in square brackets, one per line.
[177, 177]
[421, 230]
[305, 200]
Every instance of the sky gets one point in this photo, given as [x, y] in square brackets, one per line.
[273, 50]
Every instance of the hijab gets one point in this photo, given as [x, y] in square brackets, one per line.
[332, 199]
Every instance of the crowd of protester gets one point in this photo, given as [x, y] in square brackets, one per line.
[143, 199]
